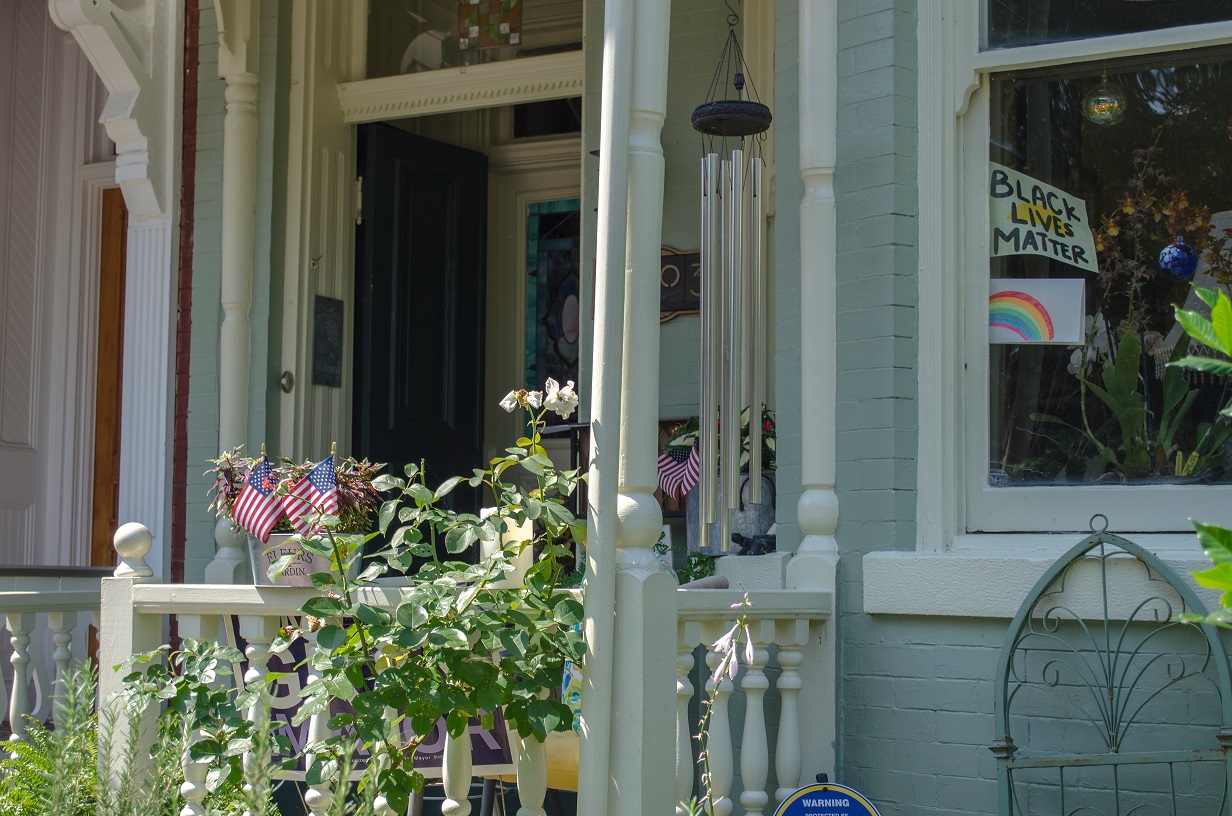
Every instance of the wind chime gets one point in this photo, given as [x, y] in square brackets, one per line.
[733, 307]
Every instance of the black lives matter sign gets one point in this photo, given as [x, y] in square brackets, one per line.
[1029, 217]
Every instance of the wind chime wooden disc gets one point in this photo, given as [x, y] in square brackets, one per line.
[732, 117]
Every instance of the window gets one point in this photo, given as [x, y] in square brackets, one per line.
[1093, 138]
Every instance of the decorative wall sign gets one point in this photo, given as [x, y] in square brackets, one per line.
[489, 24]
[680, 283]
[1036, 310]
[327, 318]
[825, 799]
[1029, 217]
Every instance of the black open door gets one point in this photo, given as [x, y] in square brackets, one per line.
[420, 304]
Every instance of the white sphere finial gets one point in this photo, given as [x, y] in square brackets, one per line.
[132, 543]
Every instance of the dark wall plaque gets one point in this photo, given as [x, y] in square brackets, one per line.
[327, 341]
[680, 283]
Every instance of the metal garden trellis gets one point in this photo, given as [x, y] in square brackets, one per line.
[1103, 663]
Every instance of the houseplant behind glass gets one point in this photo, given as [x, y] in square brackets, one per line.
[357, 503]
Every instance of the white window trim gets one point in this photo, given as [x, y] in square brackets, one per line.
[954, 572]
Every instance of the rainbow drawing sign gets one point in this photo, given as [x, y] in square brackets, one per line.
[825, 799]
[1036, 310]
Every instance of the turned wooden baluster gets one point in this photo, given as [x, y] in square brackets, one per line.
[791, 636]
[532, 776]
[754, 748]
[319, 797]
[457, 775]
[20, 625]
[61, 625]
[688, 635]
[718, 745]
[193, 788]
[259, 632]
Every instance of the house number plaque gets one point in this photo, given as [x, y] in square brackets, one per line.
[680, 283]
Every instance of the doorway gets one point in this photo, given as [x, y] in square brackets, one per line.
[420, 303]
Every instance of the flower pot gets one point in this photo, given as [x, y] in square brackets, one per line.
[298, 574]
[748, 519]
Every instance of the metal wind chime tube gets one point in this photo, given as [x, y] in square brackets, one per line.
[733, 308]
[729, 411]
[755, 369]
[711, 334]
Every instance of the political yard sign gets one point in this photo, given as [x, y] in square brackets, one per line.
[825, 799]
[1029, 217]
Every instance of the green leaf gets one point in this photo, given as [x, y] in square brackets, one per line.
[447, 638]
[330, 637]
[321, 607]
[456, 722]
[370, 615]
[389, 511]
[545, 716]
[1217, 577]
[1211, 365]
[1199, 328]
[387, 481]
[531, 464]
[1221, 322]
[323, 580]
[447, 487]
[411, 615]
[1209, 296]
[275, 570]
[420, 493]
[1216, 542]
[459, 538]
[321, 770]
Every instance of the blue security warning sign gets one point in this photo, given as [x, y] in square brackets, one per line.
[825, 799]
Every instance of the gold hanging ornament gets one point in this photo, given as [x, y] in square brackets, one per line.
[1104, 105]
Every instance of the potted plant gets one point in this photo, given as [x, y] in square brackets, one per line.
[357, 500]
[748, 519]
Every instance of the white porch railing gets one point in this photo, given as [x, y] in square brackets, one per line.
[47, 621]
[783, 623]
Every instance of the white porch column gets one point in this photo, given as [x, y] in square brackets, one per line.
[594, 769]
[643, 752]
[814, 563]
[136, 48]
[239, 32]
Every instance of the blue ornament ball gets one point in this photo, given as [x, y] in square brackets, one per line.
[1178, 261]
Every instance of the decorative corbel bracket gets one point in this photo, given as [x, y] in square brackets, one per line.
[239, 30]
[134, 48]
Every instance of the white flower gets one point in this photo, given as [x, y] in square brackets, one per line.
[510, 402]
[534, 399]
[561, 400]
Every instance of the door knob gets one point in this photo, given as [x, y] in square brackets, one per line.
[287, 381]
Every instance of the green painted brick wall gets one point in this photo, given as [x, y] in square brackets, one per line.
[207, 242]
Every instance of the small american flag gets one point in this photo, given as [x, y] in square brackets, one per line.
[318, 491]
[679, 469]
[255, 508]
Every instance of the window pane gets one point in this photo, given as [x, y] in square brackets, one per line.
[1029, 22]
[1107, 409]
[408, 36]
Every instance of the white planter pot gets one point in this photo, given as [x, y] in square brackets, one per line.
[298, 574]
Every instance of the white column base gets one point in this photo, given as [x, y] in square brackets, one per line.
[230, 564]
